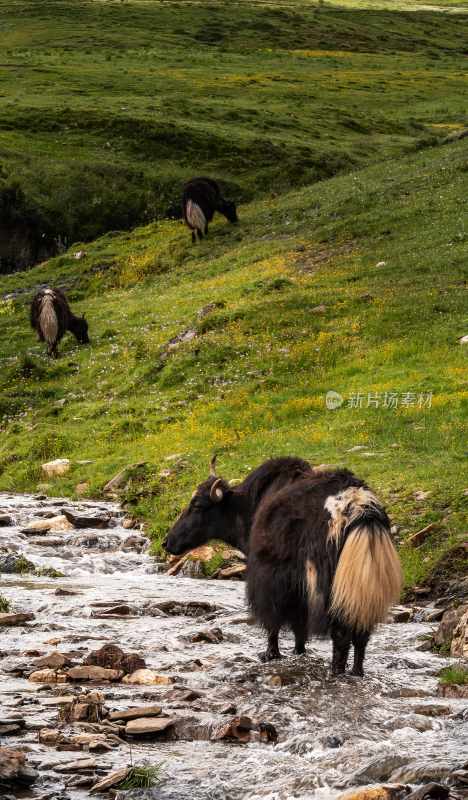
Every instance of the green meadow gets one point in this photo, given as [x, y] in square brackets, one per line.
[335, 127]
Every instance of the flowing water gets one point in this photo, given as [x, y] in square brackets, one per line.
[330, 731]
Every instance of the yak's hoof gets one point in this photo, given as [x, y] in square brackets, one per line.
[358, 673]
[269, 655]
[337, 671]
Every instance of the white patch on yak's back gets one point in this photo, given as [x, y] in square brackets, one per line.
[48, 318]
[195, 216]
[346, 506]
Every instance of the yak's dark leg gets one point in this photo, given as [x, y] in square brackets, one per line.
[360, 643]
[194, 237]
[299, 628]
[272, 652]
[200, 235]
[206, 229]
[341, 638]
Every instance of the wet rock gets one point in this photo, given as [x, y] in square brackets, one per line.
[432, 791]
[199, 555]
[54, 660]
[434, 615]
[5, 520]
[122, 610]
[48, 676]
[147, 725]
[15, 563]
[237, 571]
[61, 592]
[401, 614]
[449, 622]
[147, 677]
[129, 522]
[81, 782]
[14, 771]
[378, 793]
[241, 729]
[417, 772]
[11, 725]
[56, 468]
[432, 710]
[453, 690]
[182, 695]
[113, 657]
[194, 608]
[211, 636]
[459, 645]
[333, 742]
[76, 766]
[87, 521]
[379, 769]
[113, 779]
[58, 523]
[86, 707]
[8, 619]
[134, 542]
[65, 699]
[87, 672]
[419, 722]
[135, 713]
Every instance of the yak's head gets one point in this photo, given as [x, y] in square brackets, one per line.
[81, 330]
[229, 210]
[204, 518]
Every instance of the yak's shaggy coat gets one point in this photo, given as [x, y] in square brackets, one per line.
[321, 560]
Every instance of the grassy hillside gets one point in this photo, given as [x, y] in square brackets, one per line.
[107, 106]
[353, 285]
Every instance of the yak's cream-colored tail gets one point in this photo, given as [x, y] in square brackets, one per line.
[195, 216]
[48, 318]
[368, 576]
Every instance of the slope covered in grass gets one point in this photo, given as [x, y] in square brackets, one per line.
[353, 285]
[107, 106]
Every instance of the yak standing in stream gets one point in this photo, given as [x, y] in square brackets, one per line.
[52, 317]
[200, 199]
[320, 556]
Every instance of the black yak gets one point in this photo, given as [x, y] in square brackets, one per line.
[51, 317]
[320, 556]
[200, 199]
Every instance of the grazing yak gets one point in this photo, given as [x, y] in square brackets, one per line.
[51, 317]
[320, 556]
[200, 199]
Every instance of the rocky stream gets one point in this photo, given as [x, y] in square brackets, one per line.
[79, 653]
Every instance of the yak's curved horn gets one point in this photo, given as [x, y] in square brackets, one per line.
[216, 492]
[213, 466]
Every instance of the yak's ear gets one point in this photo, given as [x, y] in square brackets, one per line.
[217, 491]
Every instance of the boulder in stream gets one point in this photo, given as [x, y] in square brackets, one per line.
[5, 521]
[14, 771]
[15, 564]
[9, 619]
[112, 657]
[148, 677]
[89, 672]
[87, 520]
[148, 725]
